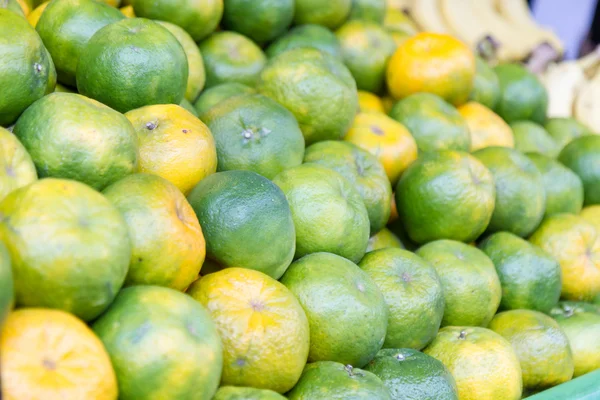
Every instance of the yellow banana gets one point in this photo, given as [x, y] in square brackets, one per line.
[426, 14]
[462, 22]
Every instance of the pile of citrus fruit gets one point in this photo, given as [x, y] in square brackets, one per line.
[302, 199]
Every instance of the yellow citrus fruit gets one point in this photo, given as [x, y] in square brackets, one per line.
[263, 327]
[52, 355]
[368, 102]
[486, 127]
[128, 11]
[592, 215]
[434, 63]
[16, 167]
[34, 16]
[387, 139]
[25, 7]
[173, 144]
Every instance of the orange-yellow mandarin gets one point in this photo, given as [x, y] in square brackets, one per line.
[486, 127]
[128, 11]
[385, 138]
[173, 144]
[34, 16]
[433, 63]
[368, 102]
[52, 355]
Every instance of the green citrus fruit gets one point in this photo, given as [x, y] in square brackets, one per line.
[410, 374]
[67, 25]
[520, 194]
[564, 130]
[231, 57]
[483, 363]
[337, 382]
[366, 48]
[383, 239]
[486, 86]
[329, 213]
[368, 10]
[13, 6]
[262, 325]
[567, 308]
[73, 137]
[7, 292]
[582, 330]
[232, 207]
[445, 195]
[312, 36]
[189, 107]
[540, 344]
[413, 293]
[162, 344]
[582, 155]
[575, 244]
[531, 137]
[64, 89]
[133, 63]
[470, 283]
[26, 69]
[564, 189]
[196, 72]
[326, 110]
[198, 17]
[216, 94]
[530, 277]
[435, 124]
[522, 95]
[16, 167]
[260, 20]
[363, 169]
[245, 393]
[346, 311]
[253, 132]
[330, 14]
[167, 245]
[77, 259]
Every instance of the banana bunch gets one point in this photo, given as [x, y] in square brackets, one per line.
[507, 25]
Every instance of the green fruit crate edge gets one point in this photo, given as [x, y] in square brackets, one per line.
[585, 387]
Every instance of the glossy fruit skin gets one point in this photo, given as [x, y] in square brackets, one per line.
[260, 20]
[340, 382]
[582, 156]
[384, 239]
[366, 49]
[540, 344]
[167, 245]
[317, 88]
[564, 189]
[363, 169]
[522, 96]
[410, 374]
[567, 308]
[330, 14]
[582, 330]
[198, 17]
[483, 363]
[309, 35]
[245, 393]
[77, 259]
[232, 206]
[133, 63]
[27, 69]
[469, 280]
[329, 213]
[231, 57]
[432, 63]
[486, 86]
[445, 195]
[413, 293]
[7, 292]
[575, 244]
[262, 325]
[347, 313]
[564, 130]
[520, 194]
[368, 10]
[434, 123]
[41, 347]
[16, 167]
[173, 144]
[533, 138]
[55, 139]
[530, 277]
[65, 28]
[253, 132]
[216, 94]
[162, 343]
[386, 139]
[486, 128]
